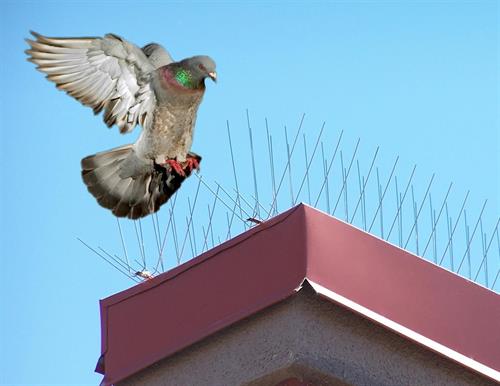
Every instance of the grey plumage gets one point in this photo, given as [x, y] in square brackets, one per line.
[128, 185]
[132, 86]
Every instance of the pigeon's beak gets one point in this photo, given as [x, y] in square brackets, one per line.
[213, 76]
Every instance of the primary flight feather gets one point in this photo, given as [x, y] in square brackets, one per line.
[133, 86]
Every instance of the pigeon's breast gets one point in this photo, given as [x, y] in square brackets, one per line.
[171, 133]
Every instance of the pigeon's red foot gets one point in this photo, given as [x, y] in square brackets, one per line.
[175, 166]
[191, 164]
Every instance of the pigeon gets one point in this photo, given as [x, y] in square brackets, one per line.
[132, 86]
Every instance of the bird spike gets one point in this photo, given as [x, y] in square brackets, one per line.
[213, 205]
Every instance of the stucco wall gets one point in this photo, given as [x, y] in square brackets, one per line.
[311, 339]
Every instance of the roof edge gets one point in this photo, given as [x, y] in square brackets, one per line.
[406, 332]
[375, 236]
[195, 261]
[293, 284]
[212, 329]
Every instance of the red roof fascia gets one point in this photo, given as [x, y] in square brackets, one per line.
[268, 263]
[228, 283]
[412, 296]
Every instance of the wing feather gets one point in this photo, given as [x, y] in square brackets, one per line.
[107, 73]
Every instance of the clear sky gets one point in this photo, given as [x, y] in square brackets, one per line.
[418, 78]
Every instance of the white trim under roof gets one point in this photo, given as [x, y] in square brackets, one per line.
[435, 346]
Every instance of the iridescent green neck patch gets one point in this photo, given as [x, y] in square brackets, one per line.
[184, 78]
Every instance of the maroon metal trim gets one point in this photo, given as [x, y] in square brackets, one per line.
[404, 288]
[268, 263]
[168, 313]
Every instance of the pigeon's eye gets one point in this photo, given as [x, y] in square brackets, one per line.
[202, 67]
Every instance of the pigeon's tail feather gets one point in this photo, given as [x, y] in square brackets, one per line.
[126, 184]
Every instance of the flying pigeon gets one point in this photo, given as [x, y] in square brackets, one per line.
[133, 86]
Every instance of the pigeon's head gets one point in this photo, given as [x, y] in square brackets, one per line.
[200, 67]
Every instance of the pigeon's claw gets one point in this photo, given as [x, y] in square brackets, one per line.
[191, 164]
[175, 166]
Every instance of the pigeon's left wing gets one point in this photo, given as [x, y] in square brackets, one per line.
[157, 55]
[108, 73]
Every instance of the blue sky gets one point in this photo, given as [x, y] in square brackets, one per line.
[420, 79]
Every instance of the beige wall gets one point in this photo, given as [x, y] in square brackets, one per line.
[310, 339]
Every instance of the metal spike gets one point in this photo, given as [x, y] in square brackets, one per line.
[250, 206]
[234, 167]
[116, 259]
[271, 161]
[346, 176]
[256, 190]
[310, 162]
[212, 236]
[415, 218]
[362, 192]
[193, 233]
[141, 250]
[273, 203]
[496, 278]
[498, 272]
[363, 207]
[190, 217]
[222, 201]
[157, 241]
[307, 170]
[385, 190]
[162, 249]
[467, 234]
[346, 201]
[419, 210]
[344, 188]
[434, 241]
[325, 180]
[204, 236]
[289, 163]
[238, 199]
[157, 227]
[431, 211]
[485, 254]
[176, 243]
[229, 223]
[268, 212]
[473, 233]
[360, 187]
[454, 228]
[142, 243]
[107, 261]
[381, 207]
[396, 189]
[188, 227]
[449, 226]
[401, 202]
[123, 245]
[400, 221]
[210, 216]
[237, 202]
[327, 194]
[438, 217]
[325, 176]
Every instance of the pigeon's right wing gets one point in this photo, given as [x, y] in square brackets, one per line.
[108, 73]
[157, 55]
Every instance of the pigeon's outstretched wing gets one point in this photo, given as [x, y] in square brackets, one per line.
[157, 55]
[106, 73]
